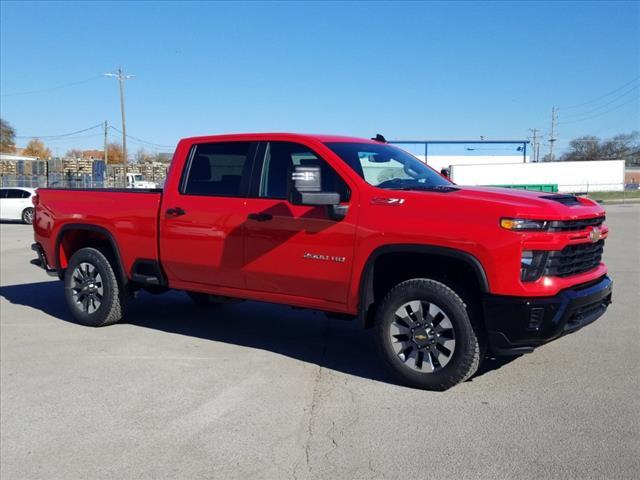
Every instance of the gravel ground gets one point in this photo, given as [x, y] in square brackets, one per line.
[265, 391]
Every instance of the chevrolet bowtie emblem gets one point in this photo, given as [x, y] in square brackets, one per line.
[420, 337]
[595, 234]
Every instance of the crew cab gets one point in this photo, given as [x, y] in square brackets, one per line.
[357, 228]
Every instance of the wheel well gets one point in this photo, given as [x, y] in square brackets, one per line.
[389, 269]
[73, 239]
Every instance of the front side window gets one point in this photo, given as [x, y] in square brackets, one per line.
[279, 160]
[217, 169]
[386, 166]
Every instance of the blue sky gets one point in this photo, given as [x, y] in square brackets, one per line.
[408, 70]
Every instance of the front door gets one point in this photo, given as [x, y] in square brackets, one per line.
[201, 225]
[294, 249]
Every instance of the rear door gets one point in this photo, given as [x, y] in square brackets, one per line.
[202, 222]
[293, 249]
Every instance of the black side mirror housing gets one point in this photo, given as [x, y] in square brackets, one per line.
[305, 188]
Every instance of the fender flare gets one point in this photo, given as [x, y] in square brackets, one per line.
[90, 228]
[365, 290]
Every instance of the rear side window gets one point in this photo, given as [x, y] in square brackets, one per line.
[15, 193]
[217, 169]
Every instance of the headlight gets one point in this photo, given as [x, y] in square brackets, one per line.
[532, 265]
[521, 224]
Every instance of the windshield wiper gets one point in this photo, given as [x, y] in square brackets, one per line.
[428, 188]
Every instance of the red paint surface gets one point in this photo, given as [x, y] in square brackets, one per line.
[215, 248]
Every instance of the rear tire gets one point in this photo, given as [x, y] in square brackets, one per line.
[92, 291]
[425, 336]
[27, 215]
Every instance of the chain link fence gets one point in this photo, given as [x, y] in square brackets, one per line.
[77, 173]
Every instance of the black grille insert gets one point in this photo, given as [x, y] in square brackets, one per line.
[575, 225]
[574, 259]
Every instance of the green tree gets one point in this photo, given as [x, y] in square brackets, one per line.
[7, 137]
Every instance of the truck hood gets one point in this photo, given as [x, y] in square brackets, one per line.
[520, 203]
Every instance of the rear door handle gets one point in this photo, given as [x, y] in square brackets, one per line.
[175, 212]
[260, 217]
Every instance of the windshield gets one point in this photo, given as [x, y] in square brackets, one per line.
[138, 178]
[386, 166]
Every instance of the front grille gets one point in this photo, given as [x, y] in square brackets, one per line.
[574, 259]
[575, 225]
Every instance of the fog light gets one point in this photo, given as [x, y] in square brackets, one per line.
[532, 265]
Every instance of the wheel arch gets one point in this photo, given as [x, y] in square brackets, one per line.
[366, 293]
[96, 234]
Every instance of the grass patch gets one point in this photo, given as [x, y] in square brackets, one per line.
[615, 195]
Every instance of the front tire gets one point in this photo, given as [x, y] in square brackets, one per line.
[27, 215]
[425, 336]
[91, 289]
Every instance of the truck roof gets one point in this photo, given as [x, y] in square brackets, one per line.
[280, 136]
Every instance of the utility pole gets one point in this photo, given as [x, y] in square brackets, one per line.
[552, 135]
[535, 143]
[120, 75]
[106, 152]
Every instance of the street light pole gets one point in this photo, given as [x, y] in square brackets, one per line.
[120, 75]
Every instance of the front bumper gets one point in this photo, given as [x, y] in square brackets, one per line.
[517, 325]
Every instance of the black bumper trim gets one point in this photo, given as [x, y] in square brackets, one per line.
[41, 261]
[517, 325]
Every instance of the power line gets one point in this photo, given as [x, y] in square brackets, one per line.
[50, 89]
[601, 113]
[61, 135]
[141, 140]
[602, 96]
[634, 87]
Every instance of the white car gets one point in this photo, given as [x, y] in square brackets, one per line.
[16, 204]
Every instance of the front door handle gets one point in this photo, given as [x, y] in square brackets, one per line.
[175, 212]
[260, 217]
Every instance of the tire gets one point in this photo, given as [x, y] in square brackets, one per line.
[27, 215]
[92, 291]
[425, 337]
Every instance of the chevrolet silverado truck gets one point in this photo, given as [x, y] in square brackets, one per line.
[360, 229]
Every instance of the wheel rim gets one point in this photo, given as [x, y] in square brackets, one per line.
[87, 288]
[28, 216]
[422, 336]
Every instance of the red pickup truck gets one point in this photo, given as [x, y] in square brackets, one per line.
[356, 228]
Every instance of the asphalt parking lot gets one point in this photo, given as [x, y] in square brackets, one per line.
[265, 391]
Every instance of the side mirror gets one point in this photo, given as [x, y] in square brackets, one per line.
[305, 188]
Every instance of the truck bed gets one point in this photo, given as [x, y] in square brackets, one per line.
[128, 216]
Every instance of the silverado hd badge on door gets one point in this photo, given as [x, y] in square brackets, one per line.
[326, 258]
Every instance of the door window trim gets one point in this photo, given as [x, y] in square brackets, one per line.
[258, 166]
[247, 170]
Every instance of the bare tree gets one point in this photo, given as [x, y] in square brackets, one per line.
[7, 137]
[37, 148]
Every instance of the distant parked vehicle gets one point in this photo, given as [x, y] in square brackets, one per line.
[15, 204]
[136, 180]
[632, 186]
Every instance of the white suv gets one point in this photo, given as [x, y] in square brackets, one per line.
[16, 204]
